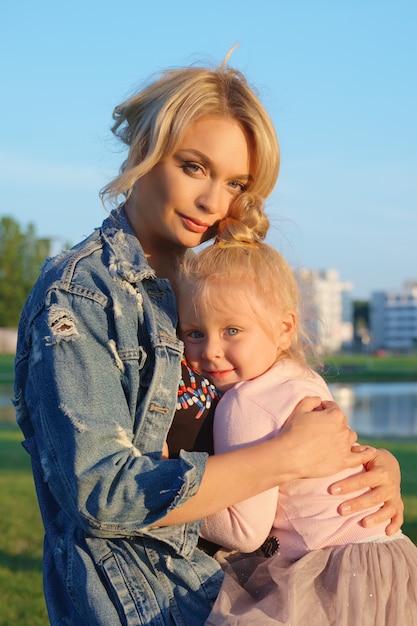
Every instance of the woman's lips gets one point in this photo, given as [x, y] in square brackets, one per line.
[194, 225]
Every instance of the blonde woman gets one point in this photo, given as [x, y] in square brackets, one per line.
[98, 367]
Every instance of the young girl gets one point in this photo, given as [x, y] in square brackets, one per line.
[238, 309]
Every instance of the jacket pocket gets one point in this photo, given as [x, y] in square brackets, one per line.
[132, 594]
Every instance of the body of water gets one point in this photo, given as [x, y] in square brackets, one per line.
[377, 409]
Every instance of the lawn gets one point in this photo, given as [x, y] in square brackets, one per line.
[6, 368]
[364, 368]
[21, 598]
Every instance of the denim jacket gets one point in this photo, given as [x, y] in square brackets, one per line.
[96, 378]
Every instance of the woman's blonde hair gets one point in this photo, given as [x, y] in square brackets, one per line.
[153, 122]
[240, 256]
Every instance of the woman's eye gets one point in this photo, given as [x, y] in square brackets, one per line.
[191, 168]
[238, 186]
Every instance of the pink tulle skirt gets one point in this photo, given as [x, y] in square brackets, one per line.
[364, 584]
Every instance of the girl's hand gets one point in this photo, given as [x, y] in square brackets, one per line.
[383, 478]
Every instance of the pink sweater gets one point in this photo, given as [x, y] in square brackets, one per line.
[301, 513]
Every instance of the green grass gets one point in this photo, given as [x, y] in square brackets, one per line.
[406, 453]
[6, 368]
[21, 536]
[370, 368]
[21, 597]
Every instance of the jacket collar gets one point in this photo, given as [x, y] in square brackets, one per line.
[127, 259]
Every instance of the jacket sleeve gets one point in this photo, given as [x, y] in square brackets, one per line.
[74, 385]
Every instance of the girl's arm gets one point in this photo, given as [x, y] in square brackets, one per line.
[240, 421]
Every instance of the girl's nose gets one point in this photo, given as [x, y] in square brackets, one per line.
[212, 349]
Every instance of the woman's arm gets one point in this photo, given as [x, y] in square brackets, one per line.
[311, 443]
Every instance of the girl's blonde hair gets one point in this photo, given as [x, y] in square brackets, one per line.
[153, 122]
[239, 255]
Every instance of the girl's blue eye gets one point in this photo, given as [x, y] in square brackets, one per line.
[232, 332]
[195, 334]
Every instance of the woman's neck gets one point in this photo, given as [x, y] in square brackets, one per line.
[165, 265]
[162, 255]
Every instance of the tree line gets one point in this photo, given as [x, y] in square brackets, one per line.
[22, 254]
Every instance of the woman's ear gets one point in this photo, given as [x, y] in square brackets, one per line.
[287, 330]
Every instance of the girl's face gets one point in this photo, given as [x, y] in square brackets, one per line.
[179, 202]
[225, 342]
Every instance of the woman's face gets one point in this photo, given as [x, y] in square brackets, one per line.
[179, 202]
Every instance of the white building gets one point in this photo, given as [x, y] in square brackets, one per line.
[327, 312]
[393, 319]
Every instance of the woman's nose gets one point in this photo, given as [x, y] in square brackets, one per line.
[214, 199]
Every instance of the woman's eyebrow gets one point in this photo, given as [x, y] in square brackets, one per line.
[197, 154]
[245, 178]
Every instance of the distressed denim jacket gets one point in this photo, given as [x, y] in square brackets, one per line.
[96, 379]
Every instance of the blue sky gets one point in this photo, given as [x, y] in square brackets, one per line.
[338, 78]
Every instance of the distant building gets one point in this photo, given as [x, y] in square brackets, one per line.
[393, 319]
[327, 310]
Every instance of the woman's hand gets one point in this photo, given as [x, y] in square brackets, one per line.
[319, 440]
[383, 478]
